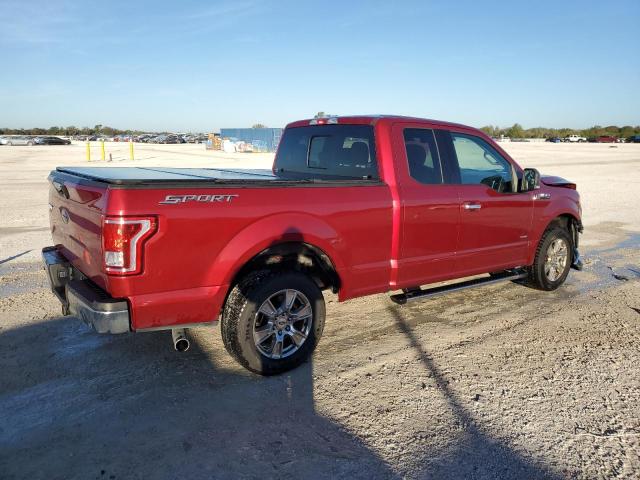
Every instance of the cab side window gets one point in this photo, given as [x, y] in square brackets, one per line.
[422, 156]
[480, 163]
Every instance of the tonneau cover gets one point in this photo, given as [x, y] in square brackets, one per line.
[149, 177]
[144, 175]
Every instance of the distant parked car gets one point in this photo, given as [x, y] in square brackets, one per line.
[605, 139]
[575, 138]
[554, 140]
[633, 139]
[165, 139]
[144, 138]
[169, 139]
[51, 141]
[17, 140]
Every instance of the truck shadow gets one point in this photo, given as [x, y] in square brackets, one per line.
[477, 454]
[79, 405]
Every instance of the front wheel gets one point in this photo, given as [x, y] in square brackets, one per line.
[272, 321]
[552, 261]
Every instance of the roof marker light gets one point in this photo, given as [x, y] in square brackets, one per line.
[324, 121]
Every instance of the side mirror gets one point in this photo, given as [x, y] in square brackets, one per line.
[530, 179]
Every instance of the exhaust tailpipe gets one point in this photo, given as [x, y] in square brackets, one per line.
[180, 340]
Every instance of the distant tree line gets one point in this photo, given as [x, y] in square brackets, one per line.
[517, 131]
[69, 131]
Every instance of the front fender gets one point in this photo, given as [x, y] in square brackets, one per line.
[545, 211]
[270, 231]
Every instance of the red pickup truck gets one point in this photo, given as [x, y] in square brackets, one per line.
[359, 205]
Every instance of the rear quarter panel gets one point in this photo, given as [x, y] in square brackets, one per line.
[205, 244]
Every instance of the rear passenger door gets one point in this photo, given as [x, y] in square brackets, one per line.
[495, 219]
[430, 208]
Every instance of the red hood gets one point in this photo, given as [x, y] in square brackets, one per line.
[554, 181]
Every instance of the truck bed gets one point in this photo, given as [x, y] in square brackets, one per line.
[122, 177]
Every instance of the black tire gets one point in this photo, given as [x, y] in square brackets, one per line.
[240, 313]
[537, 277]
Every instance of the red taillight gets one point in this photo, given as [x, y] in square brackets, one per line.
[123, 239]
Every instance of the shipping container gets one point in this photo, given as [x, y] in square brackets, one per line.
[267, 138]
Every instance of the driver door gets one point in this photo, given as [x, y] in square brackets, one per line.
[495, 220]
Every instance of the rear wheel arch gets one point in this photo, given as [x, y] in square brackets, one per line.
[297, 256]
[267, 232]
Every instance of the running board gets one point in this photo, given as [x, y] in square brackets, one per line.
[420, 294]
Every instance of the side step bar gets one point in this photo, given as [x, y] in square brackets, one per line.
[420, 294]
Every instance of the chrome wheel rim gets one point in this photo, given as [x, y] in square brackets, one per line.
[556, 259]
[282, 324]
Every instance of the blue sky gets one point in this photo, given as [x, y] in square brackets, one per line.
[189, 65]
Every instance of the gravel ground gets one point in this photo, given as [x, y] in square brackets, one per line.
[500, 382]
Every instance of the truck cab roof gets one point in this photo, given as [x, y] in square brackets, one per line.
[371, 119]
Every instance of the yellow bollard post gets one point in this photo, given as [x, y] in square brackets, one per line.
[130, 149]
[88, 151]
[102, 150]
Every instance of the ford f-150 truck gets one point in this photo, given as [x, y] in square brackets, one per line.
[358, 205]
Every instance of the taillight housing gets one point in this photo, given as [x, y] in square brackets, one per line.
[123, 240]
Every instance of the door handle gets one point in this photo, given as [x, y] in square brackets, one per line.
[472, 206]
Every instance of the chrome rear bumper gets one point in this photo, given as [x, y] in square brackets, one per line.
[83, 299]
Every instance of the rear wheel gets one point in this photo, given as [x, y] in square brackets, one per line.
[272, 321]
[552, 261]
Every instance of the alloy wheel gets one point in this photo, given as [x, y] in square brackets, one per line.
[282, 324]
[556, 259]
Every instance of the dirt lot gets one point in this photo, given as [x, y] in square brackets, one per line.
[503, 382]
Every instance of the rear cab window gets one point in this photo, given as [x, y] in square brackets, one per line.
[327, 152]
[423, 156]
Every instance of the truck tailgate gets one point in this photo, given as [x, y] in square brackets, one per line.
[75, 214]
